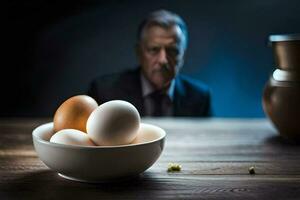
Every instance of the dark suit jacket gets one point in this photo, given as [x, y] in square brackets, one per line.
[191, 97]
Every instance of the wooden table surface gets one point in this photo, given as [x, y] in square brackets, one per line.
[215, 155]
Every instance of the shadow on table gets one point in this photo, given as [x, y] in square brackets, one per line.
[278, 140]
[49, 185]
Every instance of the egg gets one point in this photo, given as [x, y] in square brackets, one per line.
[113, 123]
[146, 133]
[71, 137]
[74, 112]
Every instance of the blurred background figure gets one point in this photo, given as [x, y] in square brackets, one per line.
[156, 87]
[54, 50]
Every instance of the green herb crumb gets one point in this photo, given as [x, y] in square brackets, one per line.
[251, 170]
[174, 167]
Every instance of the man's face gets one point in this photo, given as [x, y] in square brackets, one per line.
[161, 54]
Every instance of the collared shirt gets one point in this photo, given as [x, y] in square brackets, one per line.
[148, 89]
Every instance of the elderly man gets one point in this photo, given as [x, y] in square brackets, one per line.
[156, 88]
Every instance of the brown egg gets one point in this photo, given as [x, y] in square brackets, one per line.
[74, 112]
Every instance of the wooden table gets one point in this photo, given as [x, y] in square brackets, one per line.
[215, 155]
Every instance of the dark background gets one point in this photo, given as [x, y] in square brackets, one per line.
[53, 49]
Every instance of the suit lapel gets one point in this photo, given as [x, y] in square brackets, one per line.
[132, 89]
[179, 96]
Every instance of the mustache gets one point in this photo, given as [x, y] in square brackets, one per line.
[163, 68]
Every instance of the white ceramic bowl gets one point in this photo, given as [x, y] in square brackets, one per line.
[100, 163]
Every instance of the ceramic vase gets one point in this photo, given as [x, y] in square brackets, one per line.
[281, 95]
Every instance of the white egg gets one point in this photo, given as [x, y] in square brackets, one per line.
[71, 137]
[146, 133]
[113, 123]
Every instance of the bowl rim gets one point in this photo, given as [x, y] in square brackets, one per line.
[34, 132]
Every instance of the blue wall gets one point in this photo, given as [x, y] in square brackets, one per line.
[228, 49]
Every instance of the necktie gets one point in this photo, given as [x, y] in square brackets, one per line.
[158, 98]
